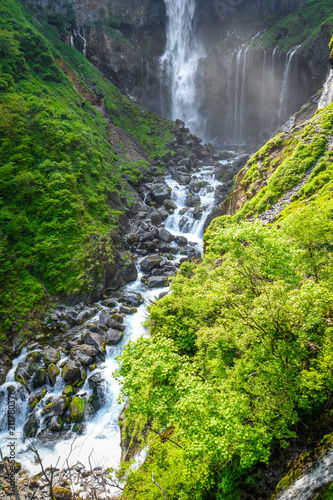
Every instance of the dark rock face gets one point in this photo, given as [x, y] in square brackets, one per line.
[113, 35]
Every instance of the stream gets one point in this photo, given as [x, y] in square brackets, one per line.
[99, 444]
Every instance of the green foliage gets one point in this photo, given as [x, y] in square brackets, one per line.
[61, 182]
[238, 353]
[301, 26]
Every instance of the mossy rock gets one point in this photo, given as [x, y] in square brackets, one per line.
[61, 493]
[34, 357]
[51, 356]
[39, 379]
[92, 367]
[68, 390]
[77, 407]
[53, 371]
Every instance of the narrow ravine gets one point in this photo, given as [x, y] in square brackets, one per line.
[193, 196]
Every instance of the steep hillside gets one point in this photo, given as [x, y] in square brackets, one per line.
[236, 377]
[65, 133]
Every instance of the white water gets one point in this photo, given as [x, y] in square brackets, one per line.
[180, 61]
[327, 95]
[311, 481]
[285, 81]
[101, 438]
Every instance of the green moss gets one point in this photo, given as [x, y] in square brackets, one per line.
[77, 407]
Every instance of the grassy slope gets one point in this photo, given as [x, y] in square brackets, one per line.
[60, 176]
[300, 27]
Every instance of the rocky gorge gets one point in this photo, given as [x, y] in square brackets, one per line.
[106, 208]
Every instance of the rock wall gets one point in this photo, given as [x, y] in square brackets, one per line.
[122, 38]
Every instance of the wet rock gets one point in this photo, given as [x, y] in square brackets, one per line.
[56, 423]
[125, 271]
[165, 235]
[53, 372]
[76, 407]
[5, 364]
[21, 373]
[86, 314]
[132, 298]
[198, 213]
[98, 387]
[192, 200]
[71, 371]
[88, 350]
[30, 427]
[94, 339]
[34, 357]
[181, 241]
[155, 216]
[59, 405]
[151, 246]
[61, 493]
[35, 397]
[163, 213]
[113, 321]
[113, 337]
[51, 356]
[157, 281]
[127, 310]
[109, 303]
[145, 236]
[150, 263]
[169, 205]
[160, 192]
[39, 378]
[68, 391]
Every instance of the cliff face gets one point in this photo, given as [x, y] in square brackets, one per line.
[121, 38]
[244, 93]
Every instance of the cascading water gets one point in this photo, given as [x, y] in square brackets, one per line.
[311, 481]
[285, 81]
[100, 442]
[180, 60]
[327, 95]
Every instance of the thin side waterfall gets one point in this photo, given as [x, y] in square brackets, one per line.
[327, 94]
[285, 81]
[180, 60]
[238, 60]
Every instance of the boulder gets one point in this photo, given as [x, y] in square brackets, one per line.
[154, 215]
[169, 205]
[59, 405]
[94, 339]
[30, 427]
[53, 372]
[39, 378]
[160, 192]
[98, 387]
[5, 364]
[22, 374]
[61, 493]
[192, 200]
[157, 281]
[181, 241]
[113, 337]
[165, 235]
[56, 423]
[127, 310]
[86, 314]
[150, 262]
[71, 371]
[88, 350]
[76, 407]
[132, 298]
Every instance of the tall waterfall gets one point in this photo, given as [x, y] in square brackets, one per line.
[180, 60]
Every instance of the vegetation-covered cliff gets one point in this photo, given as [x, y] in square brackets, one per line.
[69, 142]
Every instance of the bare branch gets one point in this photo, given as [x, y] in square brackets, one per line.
[152, 477]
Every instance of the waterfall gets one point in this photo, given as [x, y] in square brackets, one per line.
[285, 81]
[327, 94]
[311, 481]
[180, 60]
